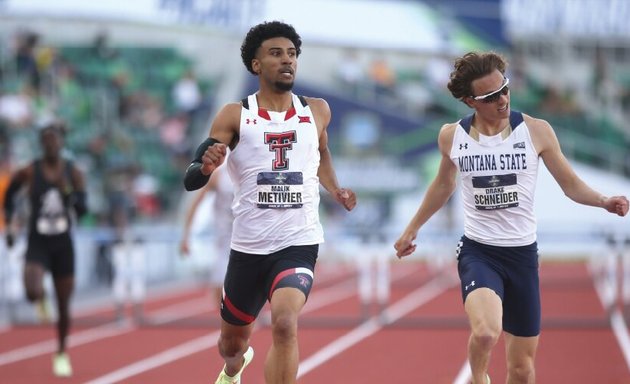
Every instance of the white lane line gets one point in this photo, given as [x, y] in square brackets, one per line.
[342, 291]
[168, 314]
[49, 346]
[617, 322]
[177, 311]
[402, 307]
[621, 333]
[321, 298]
[618, 325]
[464, 375]
[183, 350]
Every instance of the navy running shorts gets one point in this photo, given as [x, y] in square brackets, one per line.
[251, 280]
[511, 272]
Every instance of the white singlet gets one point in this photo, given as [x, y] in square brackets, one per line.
[498, 181]
[274, 172]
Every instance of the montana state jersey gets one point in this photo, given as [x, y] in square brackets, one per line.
[498, 181]
[274, 171]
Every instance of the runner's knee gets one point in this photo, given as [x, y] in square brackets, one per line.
[231, 345]
[521, 371]
[284, 327]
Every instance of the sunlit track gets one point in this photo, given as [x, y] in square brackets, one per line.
[49, 346]
[165, 315]
[619, 326]
[115, 328]
[337, 336]
[175, 353]
[318, 299]
[415, 299]
[342, 291]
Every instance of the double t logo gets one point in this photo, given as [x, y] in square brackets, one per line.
[280, 143]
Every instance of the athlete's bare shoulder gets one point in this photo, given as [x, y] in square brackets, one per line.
[226, 125]
[320, 108]
[541, 132]
[536, 123]
[448, 128]
[448, 131]
[445, 137]
[317, 103]
[233, 108]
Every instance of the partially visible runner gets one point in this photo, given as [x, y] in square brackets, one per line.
[496, 152]
[56, 189]
[279, 158]
[220, 186]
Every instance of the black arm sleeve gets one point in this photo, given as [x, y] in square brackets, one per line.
[194, 179]
[9, 200]
[79, 202]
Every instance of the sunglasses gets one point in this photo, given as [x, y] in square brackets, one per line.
[494, 95]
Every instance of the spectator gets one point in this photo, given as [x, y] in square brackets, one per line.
[187, 93]
[351, 73]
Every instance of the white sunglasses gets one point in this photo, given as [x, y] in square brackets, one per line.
[494, 95]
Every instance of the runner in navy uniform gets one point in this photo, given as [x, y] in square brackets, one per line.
[496, 153]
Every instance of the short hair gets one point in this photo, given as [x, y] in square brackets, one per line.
[470, 67]
[265, 31]
[56, 125]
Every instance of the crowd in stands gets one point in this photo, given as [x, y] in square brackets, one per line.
[593, 110]
[129, 112]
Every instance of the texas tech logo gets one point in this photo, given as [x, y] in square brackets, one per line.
[280, 143]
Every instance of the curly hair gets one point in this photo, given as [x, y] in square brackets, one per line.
[57, 125]
[265, 31]
[471, 67]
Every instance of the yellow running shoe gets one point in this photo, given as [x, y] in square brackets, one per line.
[236, 379]
[61, 365]
[42, 307]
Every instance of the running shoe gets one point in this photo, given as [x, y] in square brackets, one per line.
[61, 365]
[42, 307]
[236, 379]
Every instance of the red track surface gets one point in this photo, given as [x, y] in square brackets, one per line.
[425, 341]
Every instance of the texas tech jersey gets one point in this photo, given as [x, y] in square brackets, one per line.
[274, 171]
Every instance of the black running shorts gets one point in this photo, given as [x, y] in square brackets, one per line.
[251, 280]
[55, 253]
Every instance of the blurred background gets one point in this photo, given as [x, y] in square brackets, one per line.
[138, 81]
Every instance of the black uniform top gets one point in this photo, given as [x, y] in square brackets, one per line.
[50, 206]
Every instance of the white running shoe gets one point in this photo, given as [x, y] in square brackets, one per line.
[61, 365]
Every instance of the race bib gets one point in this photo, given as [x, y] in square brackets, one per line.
[52, 219]
[495, 192]
[280, 190]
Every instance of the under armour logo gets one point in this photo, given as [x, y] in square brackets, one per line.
[248, 121]
[304, 119]
[464, 146]
[472, 284]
